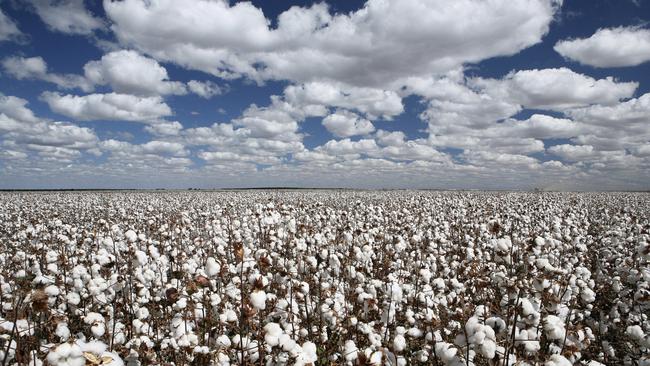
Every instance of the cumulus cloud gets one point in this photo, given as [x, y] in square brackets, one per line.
[346, 124]
[164, 128]
[35, 68]
[572, 152]
[609, 47]
[128, 72]
[23, 132]
[8, 29]
[365, 47]
[372, 102]
[557, 89]
[631, 112]
[107, 107]
[67, 16]
[204, 89]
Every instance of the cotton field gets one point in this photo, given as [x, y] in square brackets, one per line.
[324, 278]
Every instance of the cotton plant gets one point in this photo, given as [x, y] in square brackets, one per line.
[312, 277]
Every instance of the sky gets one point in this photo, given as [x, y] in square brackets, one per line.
[434, 94]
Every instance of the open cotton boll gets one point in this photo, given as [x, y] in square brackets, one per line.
[554, 327]
[62, 331]
[557, 360]
[307, 354]
[350, 351]
[223, 341]
[272, 331]
[95, 353]
[97, 322]
[131, 236]
[66, 354]
[52, 291]
[212, 268]
[636, 332]
[399, 343]
[587, 295]
[447, 353]
[258, 300]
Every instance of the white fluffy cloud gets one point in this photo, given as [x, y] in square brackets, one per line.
[572, 152]
[67, 16]
[609, 47]
[365, 47]
[8, 29]
[128, 72]
[112, 106]
[372, 102]
[21, 131]
[631, 112]
[35, 68]
[557, 89]
[204, 89]
[346, 124]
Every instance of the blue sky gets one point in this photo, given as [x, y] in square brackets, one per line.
[377, 94]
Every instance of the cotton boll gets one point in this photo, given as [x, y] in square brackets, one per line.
[62, 331]
[97, 351]
[587, 295]
[131, 236]
[554, 327]
[399, 343]
[180, 304]
[557, 360]
[272, 334]
[376, 357]
[66, 354]
[258, 300]
[212, 268]
[141, 257]
[97, 322]
[223, 341]
[308, 355]
[52, 291]
[73, 298]
[350, 351]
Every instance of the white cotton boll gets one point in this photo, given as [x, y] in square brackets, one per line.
[350, 351]
[223, 341]
[62, 331]
[376, 357]
[415, 332]
[212, 268]
[66, 354]
[595, 363]
[97, 322]
[544, 264]
[308, 355]
[446, 352]
[395, 292]
[399, 343]
[635, 332]
[142, 313]
[141, 257]
[98, 329]
[488, 349]
[73, 298]
[258, 300]
[131, 236]
[99, 351]
[557, 360]
[52, 291]
[272, 333]
[587, 295]
[554, 327]
[180, 304]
